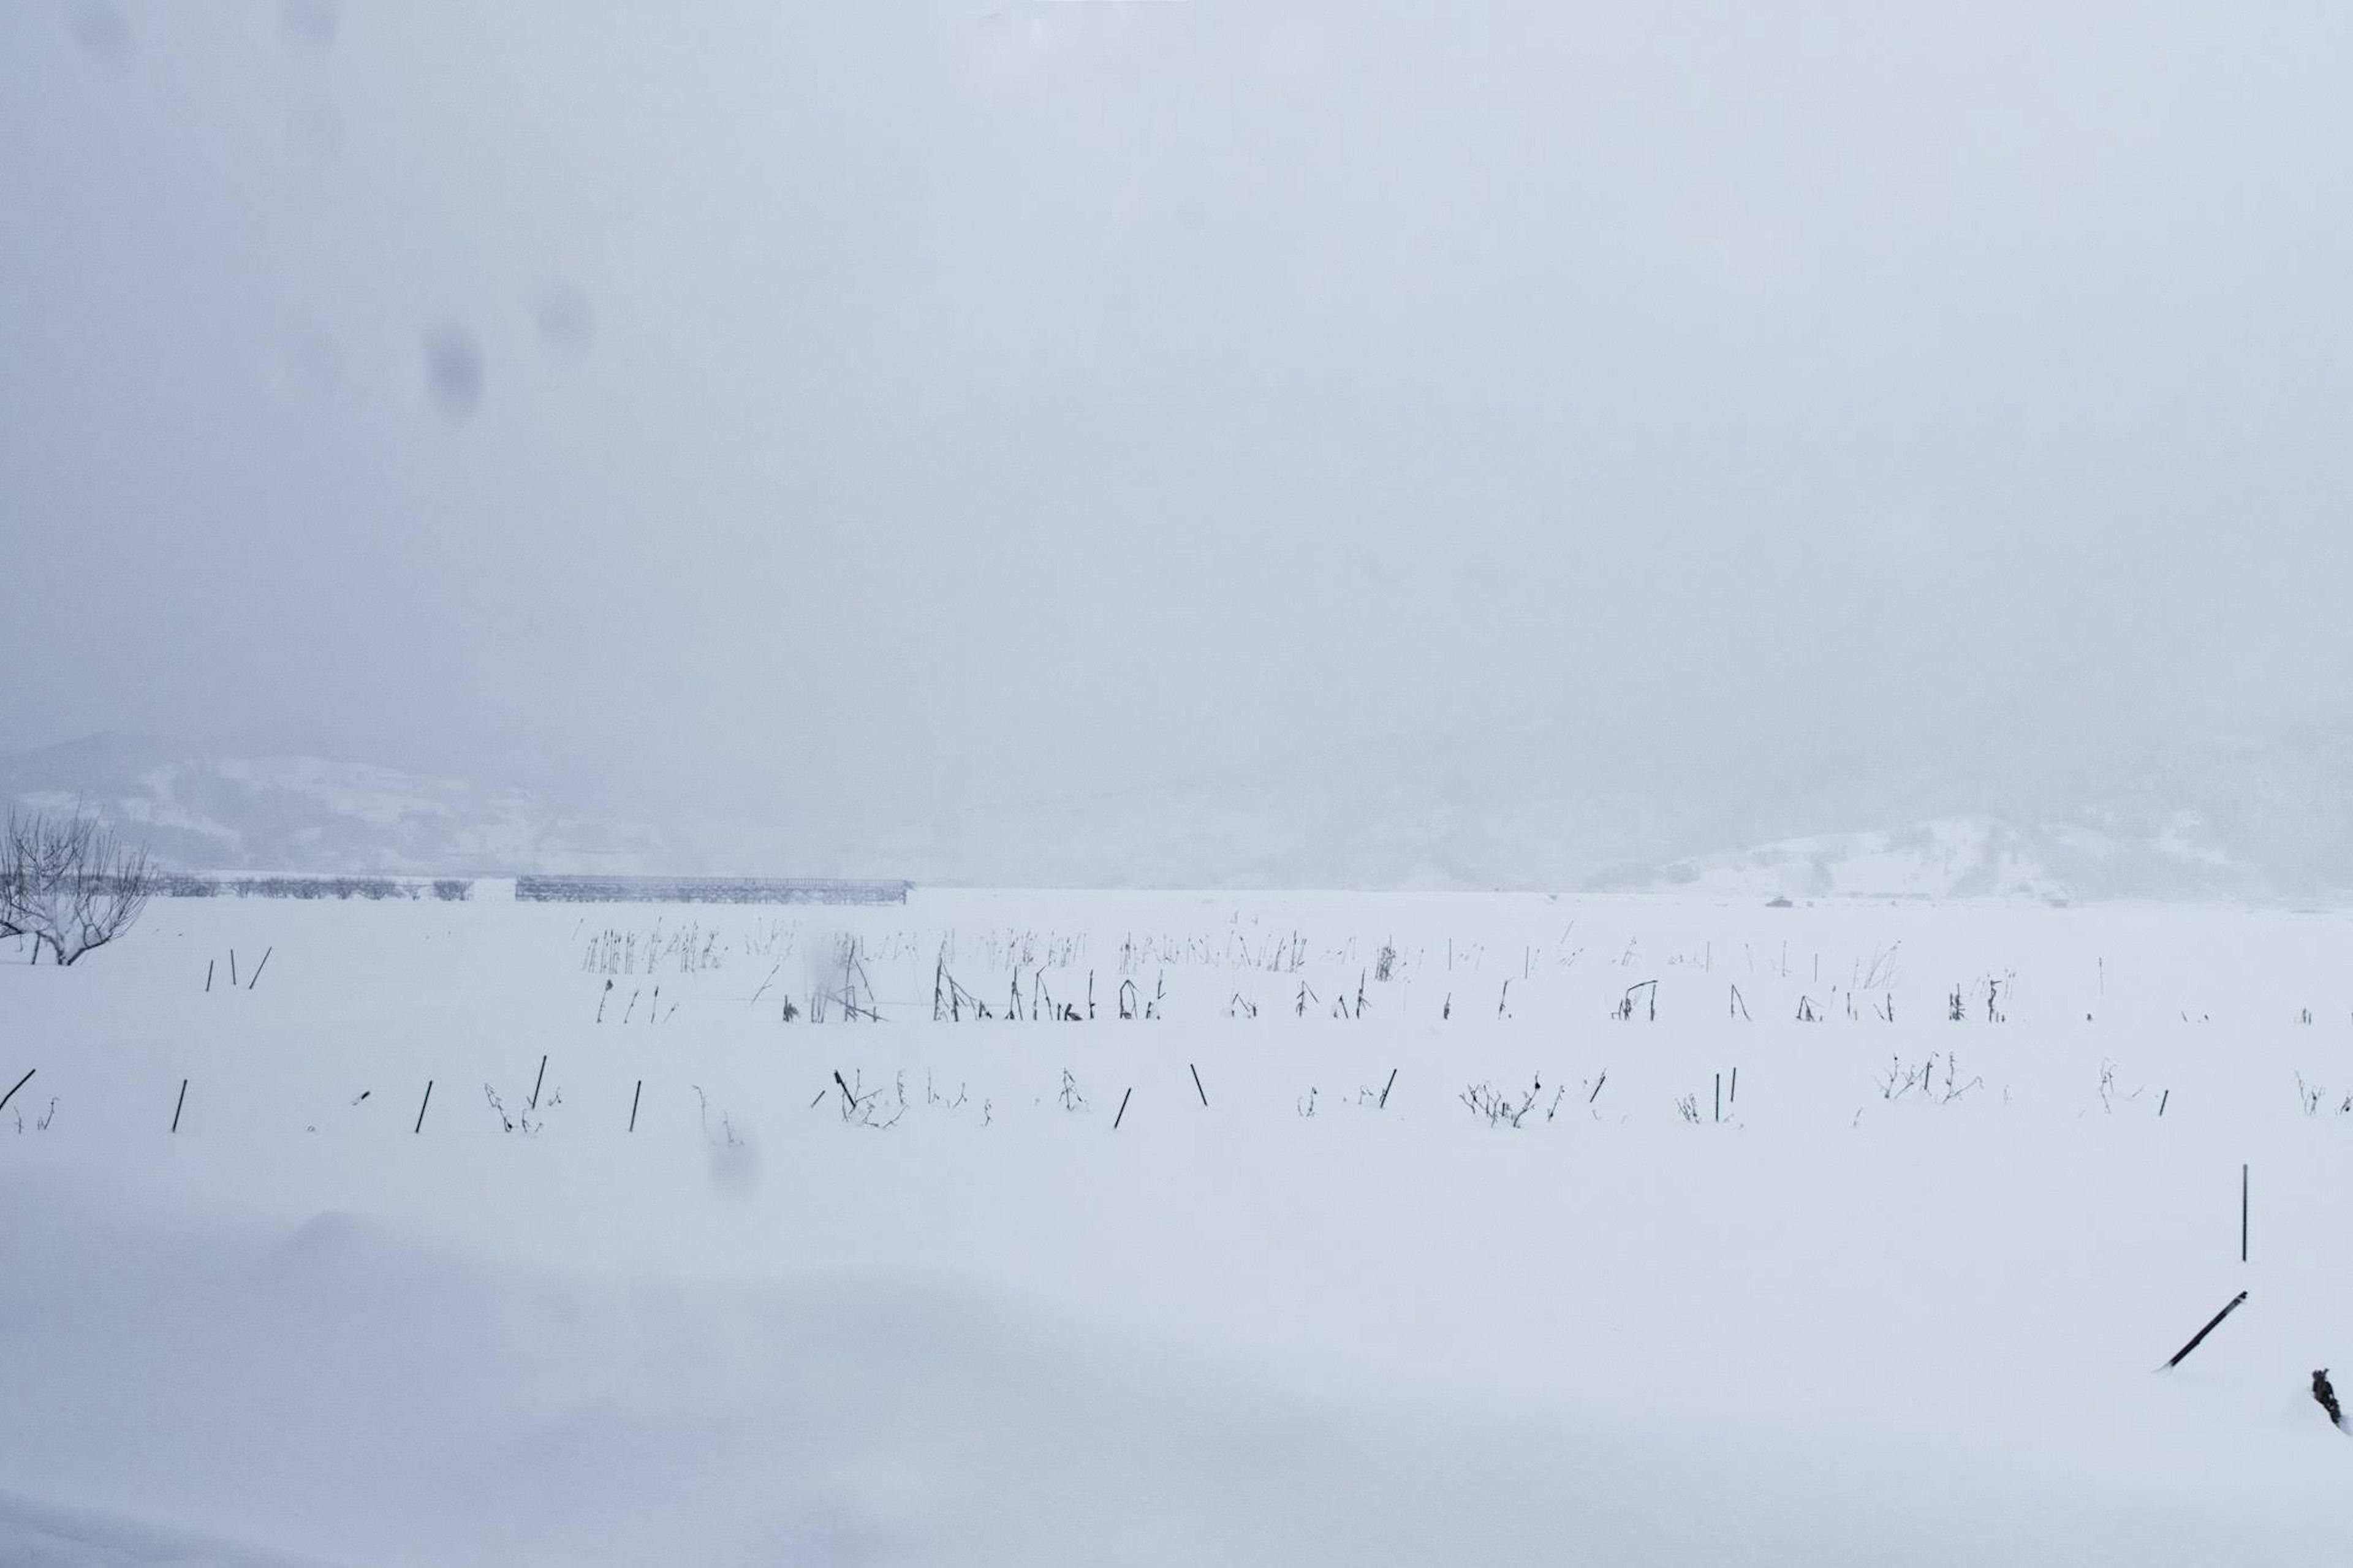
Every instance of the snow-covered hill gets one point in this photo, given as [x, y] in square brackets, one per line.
[1534, 807]
[303, 813]
[1963, 857]
[1524, 810]
[2264, 819]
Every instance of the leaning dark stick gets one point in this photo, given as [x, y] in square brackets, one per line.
[2196, 1339]
[21, 1082]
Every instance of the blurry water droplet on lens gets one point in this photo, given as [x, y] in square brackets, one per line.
[308, 24]
[565, 320]
[100, 31]
[453, 368]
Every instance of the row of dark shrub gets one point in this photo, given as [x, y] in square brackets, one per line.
[190, 885]
[544, 888]
[586, 889]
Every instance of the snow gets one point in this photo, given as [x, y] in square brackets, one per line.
[1972, 857]
[1522, 809]
[280, 812]
[1834, 1326]
[1942, 859]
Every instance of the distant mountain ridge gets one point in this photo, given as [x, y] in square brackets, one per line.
[1966, 857]
[201, 812]
[2267, 820]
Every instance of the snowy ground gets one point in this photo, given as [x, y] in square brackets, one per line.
[1838, 1318]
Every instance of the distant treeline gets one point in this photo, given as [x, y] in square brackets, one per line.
[195, 884]
[707, 891]
[563, 889]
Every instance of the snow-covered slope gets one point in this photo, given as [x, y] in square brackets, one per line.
[1960, 858]
[302, 812]
[1944, 859]
[1540, 807]
[1495, 810]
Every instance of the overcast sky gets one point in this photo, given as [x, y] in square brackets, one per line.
[914, 403]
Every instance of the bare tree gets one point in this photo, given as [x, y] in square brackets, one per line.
[12, 885]
[69, 884]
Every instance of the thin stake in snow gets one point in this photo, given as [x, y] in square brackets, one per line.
[1734, 1097]
[537, 1082]
[1196, 1083]
[21, 1082]
[1383, 1104]
[177, 1104]
[421, 1105]
[1719, 1096]
[2198, 1338]
[633, 1103]
[1122, 1107]
[209, 975]
[232, 969]
[2242, 1212]
[260, 967]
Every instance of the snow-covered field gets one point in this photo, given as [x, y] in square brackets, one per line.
[1573, 1292]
